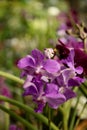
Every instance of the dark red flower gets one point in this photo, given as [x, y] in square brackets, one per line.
[81, 59]
[63, 50]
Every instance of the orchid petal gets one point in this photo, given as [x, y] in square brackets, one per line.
[26, 61]
[55, 100]
[51, 66]
[38, 56]
[69, 94]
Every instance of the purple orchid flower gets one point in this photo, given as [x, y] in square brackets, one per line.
[79, 56]
[68, 57]
[50, 81]
[37, 63]
[64, 46]
[43, 93]
[81, 59]
[72, 42]
[63, 83]
[69, 61]
[54, 94]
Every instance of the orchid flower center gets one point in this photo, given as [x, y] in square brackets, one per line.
[49, 52]
[61, 90]
[38, 69]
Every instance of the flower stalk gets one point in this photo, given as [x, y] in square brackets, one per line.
[12, 77]
[74, 115]
[26, 123]
[7, 119]
[49, 117]
[30, 110]
[66, 113]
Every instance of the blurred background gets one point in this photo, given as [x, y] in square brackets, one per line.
[29, 24]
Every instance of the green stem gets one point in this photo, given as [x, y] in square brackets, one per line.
[61, 110]
[85, 47]
[26, 123]
[83, 88]
[64, 122]
[66, 113]
[30, 110]
[49, 117]
[12, 77]
[74, 115]
[7, 120]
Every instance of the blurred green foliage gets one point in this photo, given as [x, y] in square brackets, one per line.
[24, 25]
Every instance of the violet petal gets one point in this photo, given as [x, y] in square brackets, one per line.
[26, 61]
[51, 66]
[69, 94]
[38, 56]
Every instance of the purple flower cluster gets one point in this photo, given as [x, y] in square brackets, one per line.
[49, 78]
[76, 39]
[80, 56]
